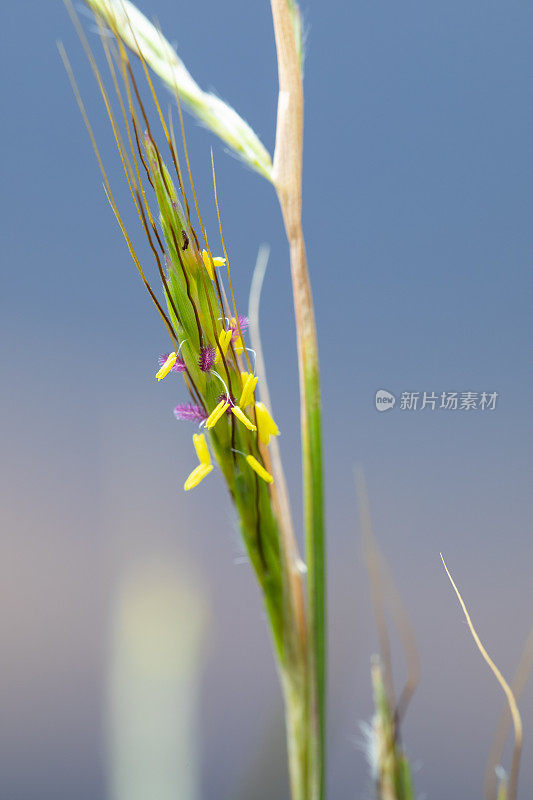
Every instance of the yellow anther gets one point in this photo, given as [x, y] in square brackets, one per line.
[259, 468]
[197, 475]
[266, 427]
[200, 445]
[204, 467]
[239, 346]
[249, 384]
[215, 415]
[241, 416]
[224, 338]
[167, 366]
[210, 262]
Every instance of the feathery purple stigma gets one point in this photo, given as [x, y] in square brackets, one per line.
[179, 365]
[206, 359]
[190, 412]
[243, 322]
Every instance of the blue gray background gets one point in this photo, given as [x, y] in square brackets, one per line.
[418, 215]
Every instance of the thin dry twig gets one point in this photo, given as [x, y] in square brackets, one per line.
[513, 708]
[523, 671]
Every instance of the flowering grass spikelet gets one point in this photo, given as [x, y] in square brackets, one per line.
[199, 311]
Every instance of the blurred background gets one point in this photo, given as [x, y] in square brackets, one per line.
[133, 643]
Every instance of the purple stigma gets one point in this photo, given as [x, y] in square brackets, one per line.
[243, 323]
[179, 365]
[190, 412]
[206, 358]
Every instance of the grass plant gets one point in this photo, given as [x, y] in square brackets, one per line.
[226, 398]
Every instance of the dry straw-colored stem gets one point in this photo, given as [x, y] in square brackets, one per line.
[522, 674]
[287, 179]
[511, 700]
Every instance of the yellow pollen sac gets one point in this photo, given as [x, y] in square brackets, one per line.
[210, 262]
[259, 468]
[204, 467]
[266, 427]
[249, 384]
[197, 475]
[241, 416]
[224, 338]
[167, 366]
[216, 413]
[200, 445]
[239, 346]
